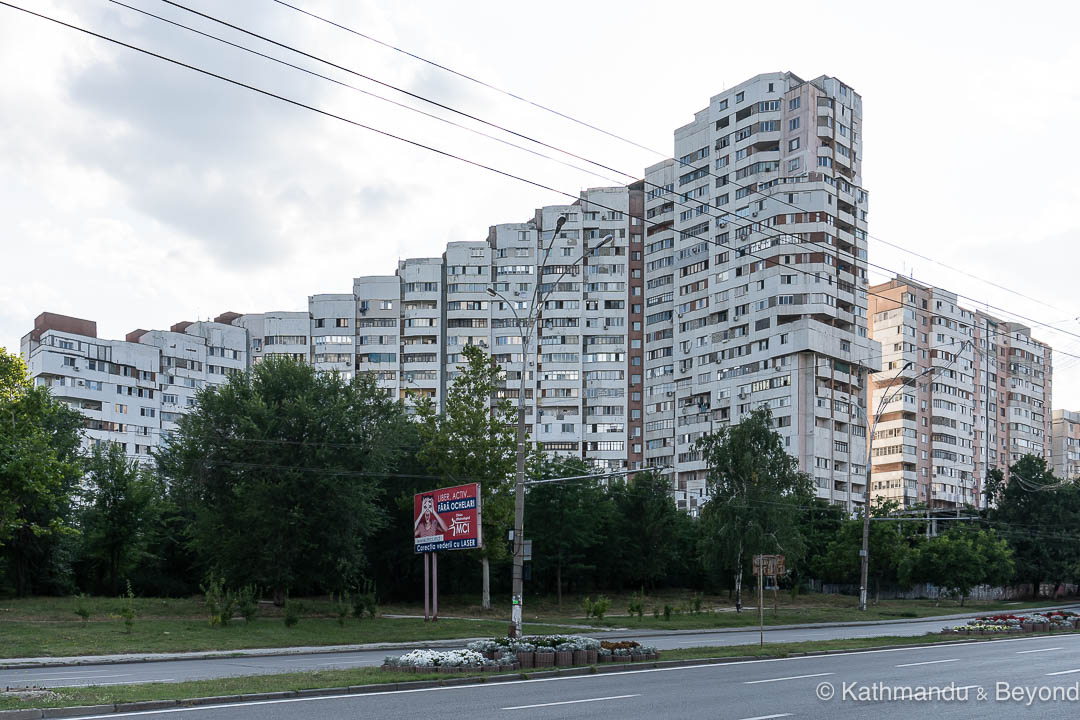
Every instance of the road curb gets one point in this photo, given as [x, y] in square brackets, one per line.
[80, 711]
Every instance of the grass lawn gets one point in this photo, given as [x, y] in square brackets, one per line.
[49, 627]
[364, 676]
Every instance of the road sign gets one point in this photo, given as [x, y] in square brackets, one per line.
[771, 565]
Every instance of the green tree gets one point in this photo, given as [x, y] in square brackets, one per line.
[278, 470]
[646, 529]
[890, 542]
[39, 466]
[756, 493]
[958, 560]
[121, 503]
[1035, 511]
[472, 439]
[567, 523]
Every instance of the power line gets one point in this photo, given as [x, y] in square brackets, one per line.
[728, 217]
[409, 141]
[590, 126]
[360, 90]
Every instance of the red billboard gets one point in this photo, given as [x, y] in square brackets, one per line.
[447, 519]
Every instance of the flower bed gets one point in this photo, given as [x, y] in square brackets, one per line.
[1053, 621]
[527, 652]
[447, 661]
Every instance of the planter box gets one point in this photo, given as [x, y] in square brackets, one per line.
[581, 657]
[1027, 627]
[637, 658]
[603, 658]
[544, 659]
[564, 659]
[590, 657]
[526, 659]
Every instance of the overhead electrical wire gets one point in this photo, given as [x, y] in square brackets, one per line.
[726, 217]
[384, 133]
[621, 138]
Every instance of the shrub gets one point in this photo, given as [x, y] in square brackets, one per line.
[365, 601]
[292, 612]
[81, 609]
[342, 606]
[127, 611]
[219, 601]
[637, 604]
[656, 611]
[698, 600]
[667, 612]
[587, 606]
[600, 607]
[247, 602]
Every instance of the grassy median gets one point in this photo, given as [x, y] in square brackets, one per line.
[65, 697]
[40, 627]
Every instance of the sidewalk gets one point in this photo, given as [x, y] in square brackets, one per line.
[38, 662]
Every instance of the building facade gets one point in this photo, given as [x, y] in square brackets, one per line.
[130, 392]
[965, 392]
[1065, 448]
[755, 273]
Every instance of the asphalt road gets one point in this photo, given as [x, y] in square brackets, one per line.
[1033, 677]
[179, 670]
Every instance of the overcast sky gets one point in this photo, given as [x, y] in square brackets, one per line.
[137, 193]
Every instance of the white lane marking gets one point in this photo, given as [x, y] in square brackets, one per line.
[928, 662]
[123, 682]
[77, 677]
[1025, 652]
[284, 701]
[571, 702]
[792, 677]
[73, 672]
[768, 717]
[1063, 672]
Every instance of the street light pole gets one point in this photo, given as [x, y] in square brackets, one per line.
[864, 553]
[525, 331]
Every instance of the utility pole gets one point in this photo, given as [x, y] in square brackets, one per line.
[525, 330]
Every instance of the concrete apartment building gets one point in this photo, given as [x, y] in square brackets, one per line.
[975, 395]
[1013, 377]
[755, 274]
[130, 391]
[1065, 448]
[582, 385]
[923, 444]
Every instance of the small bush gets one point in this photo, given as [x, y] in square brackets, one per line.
[656, 612]
[637, 604]
[342, 606]
[698, 600]
[81, 608]
[587, 606]
[220, 602]
[667, 611]
[292, 612]
[247, 602]
[365, 602]
[600, 608]
[127, 611]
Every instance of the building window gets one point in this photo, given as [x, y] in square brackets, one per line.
[794, 103]
[793, 144]
[793, 124]
[739, 97]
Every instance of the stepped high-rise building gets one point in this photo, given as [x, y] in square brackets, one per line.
[755, 275]
[735, 277]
